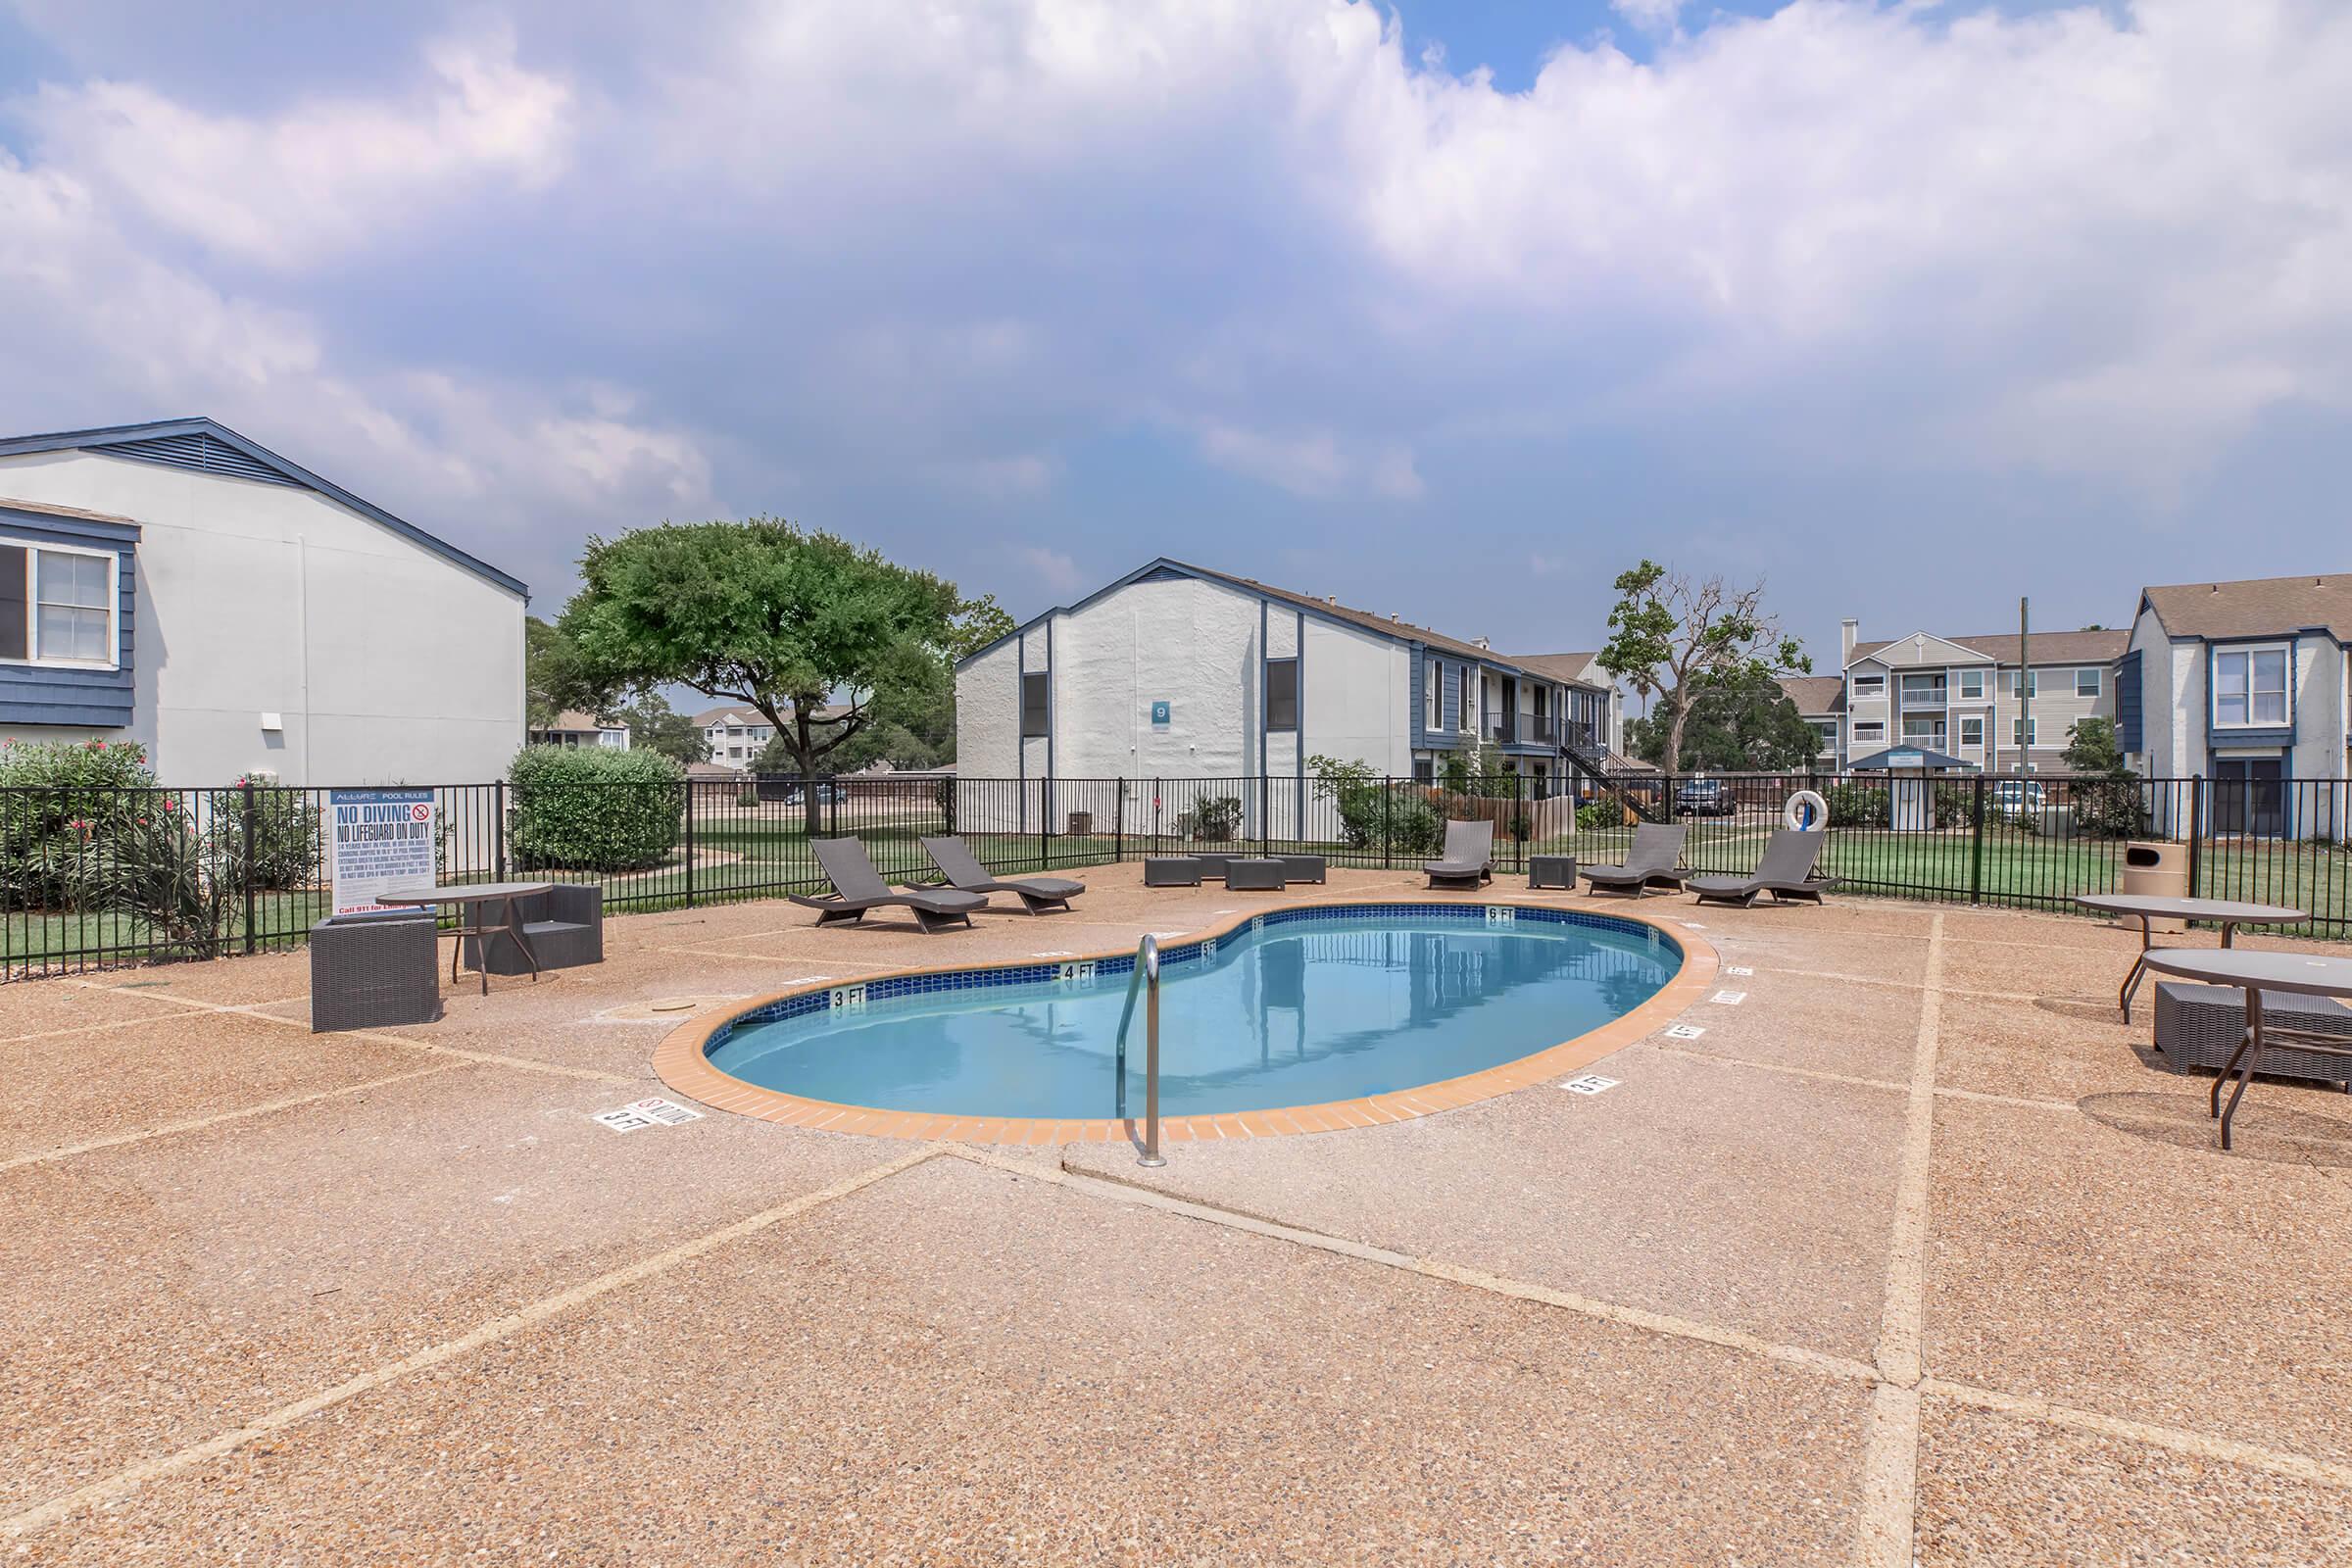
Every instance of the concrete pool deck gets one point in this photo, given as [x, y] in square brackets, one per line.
[1909, 1253]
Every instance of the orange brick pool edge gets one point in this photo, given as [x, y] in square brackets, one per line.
[682, 1063]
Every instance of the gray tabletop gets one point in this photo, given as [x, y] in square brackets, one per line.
[2305, 973]
[2186, 909]
[466, 893]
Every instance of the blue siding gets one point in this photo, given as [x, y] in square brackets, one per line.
[86, 698]
[2279, 736]
[2128, 706]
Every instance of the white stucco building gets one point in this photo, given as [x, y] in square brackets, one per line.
[1177, 672]
[175, 584]
[571, 727]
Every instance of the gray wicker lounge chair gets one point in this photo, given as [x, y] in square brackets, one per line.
[963, 871]
[1469, 855]
[1649, 863]
[1786, 872]
[857, 887]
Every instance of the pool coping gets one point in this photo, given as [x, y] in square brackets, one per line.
[681, 1063]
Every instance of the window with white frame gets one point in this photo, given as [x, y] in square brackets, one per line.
[56, 606]
[1432, 715]
[2087, 682]
[1972, 731]
[2023, 731]
[1972, 685]
[1827, 729]
[1869, 732]
[2031, 679]
[1870, 687]
[2249, 687]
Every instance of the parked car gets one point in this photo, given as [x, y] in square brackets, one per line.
[2016, 797]
[786, 793]
[1704, 797]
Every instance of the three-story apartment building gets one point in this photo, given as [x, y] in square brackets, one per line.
[1984, 700]
[736, 735]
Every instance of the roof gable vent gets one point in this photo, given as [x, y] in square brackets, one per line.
[197, 450]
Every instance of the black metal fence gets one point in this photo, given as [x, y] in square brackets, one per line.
[92, 877]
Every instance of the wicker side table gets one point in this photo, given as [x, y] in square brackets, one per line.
[371, 970]
[1551, 871]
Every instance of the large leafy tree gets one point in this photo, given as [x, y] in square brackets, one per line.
[799, 624]
[1671, 634]
[1740, 722]
[555, 678]
[2094, 750]
[656, 726]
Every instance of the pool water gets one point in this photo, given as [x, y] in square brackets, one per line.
[1294, 1008]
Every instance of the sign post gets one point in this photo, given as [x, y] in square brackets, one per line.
[378, 839]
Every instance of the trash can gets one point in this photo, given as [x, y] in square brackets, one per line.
[2157, 870]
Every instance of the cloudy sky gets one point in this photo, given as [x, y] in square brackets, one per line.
[1452, 311]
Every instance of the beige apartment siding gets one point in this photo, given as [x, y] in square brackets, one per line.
[2056, 709]
[1861, 710]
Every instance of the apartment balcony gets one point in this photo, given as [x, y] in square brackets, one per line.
[1500, 730]
[1538, 729]
[1924, 697]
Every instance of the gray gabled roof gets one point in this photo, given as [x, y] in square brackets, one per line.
[208, 446]
[2090, 646]
[1325, 608]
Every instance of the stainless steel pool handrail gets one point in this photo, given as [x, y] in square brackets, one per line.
[1145, 975]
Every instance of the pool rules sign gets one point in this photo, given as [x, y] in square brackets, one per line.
[378, 839]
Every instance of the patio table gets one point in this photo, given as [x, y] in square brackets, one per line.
[2300, 974]
[2147, 906]
[472, 901]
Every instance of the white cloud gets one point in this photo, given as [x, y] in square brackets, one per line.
[1650, 15]
[1314, 464]
[950, 245]
[1015, 475]
[324, 176]
[1050, 569]
[99, 333]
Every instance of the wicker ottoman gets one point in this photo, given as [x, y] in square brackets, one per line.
[1255, 875]
[1303, 867]
[369, 970]
[1171, 871]
[1551, 871]
[2199, 1026]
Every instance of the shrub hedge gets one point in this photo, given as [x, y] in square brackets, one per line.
[593, 808]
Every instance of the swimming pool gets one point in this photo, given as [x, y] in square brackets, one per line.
[1288, 1009]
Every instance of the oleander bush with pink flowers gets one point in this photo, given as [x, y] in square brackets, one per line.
[86, 829]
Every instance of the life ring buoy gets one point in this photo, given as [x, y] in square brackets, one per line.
[1807, 813]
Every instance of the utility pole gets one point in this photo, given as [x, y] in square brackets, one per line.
[2025, 690]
